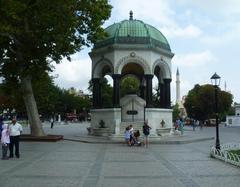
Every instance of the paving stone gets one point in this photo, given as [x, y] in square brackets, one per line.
[77, 164]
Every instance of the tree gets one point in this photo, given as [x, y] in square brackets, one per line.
[176, 112]
[50, 98]
[34, 33]
[129, 84]
[200, 102]
[47, 95]
[10, 99]
[107, 93]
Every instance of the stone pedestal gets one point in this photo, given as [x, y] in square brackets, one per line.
[101, 132]
[163, 131]
[132, 108]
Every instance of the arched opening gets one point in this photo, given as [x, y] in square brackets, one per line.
[155, 92]
[129, 85]
[106, 86]
[132, 76]
[107, 91]
[158, 88]
[134, 69]
[102, 86]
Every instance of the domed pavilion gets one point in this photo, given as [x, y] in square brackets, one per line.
[135, 48]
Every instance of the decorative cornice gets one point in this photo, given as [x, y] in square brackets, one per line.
[99, 65]
[165, 66]
[136, 59]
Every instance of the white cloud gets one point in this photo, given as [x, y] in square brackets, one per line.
[189, 31]
[231, 35]
[214, 25]
[159, 14]
[221, 7]
[153, 10]
[76, 73]
[194, 59]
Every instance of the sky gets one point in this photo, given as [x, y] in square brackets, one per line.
[203, 35]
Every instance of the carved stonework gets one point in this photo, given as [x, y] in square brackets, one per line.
[165, 67]
[129, 59]
[132, 108]
[99, 66]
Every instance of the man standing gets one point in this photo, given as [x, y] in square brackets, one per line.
[52, 122]
[15, 131]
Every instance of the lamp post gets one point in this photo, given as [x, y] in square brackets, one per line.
[215, 79]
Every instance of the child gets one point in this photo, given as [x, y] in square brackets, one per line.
[5, 140]
[131, 133]
[127, 136]
[136, 138]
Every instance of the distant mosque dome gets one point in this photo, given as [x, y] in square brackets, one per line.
[134, 31]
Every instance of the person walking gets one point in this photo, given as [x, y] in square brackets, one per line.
[52, 122]
[5, 140]
[146, 132]
[15, 130]
[181, 125]
[193, 124]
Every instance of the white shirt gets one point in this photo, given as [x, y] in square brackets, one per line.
[15, 130]
[5, 135]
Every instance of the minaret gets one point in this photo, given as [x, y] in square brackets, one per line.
[178, 100]
[225, 86]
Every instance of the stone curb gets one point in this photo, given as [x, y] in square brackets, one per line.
[153, 142]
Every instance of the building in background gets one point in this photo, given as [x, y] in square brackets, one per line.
[234, 120]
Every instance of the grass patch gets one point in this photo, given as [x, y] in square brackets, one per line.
[235, 151]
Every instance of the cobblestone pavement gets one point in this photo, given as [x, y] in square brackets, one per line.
[69, 163]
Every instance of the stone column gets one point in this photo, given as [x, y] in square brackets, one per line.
[96, 93]
[142, 89]
[116, 90]
[148, 78]
[167, 93]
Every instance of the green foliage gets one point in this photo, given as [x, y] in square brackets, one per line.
[107, 93]
[50, 98]
[33, 34]
[231, 111]
[10, 97]
[235, 151]
[129, 85]
[200, 102]
[176, 112]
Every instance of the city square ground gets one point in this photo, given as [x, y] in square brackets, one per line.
[82, 160]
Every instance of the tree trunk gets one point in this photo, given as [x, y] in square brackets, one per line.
[31, 107]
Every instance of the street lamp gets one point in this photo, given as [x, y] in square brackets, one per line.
[215, 79]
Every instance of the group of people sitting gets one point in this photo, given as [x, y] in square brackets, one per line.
[131, 136]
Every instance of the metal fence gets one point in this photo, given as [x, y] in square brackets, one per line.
[225, 155]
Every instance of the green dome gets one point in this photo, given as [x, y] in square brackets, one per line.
[133, 32]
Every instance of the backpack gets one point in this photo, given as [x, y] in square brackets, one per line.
[146, 130]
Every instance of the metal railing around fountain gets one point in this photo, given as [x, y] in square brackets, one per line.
[225, 154]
